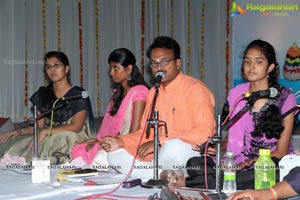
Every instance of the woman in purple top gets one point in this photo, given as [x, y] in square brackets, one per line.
[262, 125]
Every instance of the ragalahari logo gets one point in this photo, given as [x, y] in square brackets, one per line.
[236, 10]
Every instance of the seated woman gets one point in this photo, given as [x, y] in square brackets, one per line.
[263, 125]
[124, 111]
[289, 187]
[57, 133]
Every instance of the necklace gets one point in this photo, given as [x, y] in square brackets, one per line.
[263, 109]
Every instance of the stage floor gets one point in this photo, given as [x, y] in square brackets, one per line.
[17, 184]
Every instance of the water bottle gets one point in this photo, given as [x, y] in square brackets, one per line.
[229, 167]
[264, 170]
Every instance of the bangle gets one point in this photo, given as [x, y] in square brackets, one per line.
[49, 133]
[21, 131]
[273, 192]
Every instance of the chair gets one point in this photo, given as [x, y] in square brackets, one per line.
[287, 163]
[6, 125]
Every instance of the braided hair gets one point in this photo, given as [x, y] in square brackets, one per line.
[269, 120]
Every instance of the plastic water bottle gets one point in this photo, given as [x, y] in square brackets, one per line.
[229, 167]
[264, 170]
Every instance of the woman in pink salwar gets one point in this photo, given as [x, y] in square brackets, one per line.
[125, 109]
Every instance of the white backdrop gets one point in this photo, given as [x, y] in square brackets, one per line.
[281, 31]
[30, 28]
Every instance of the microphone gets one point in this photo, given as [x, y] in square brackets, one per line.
[82, 95]
[271, 93]
[158, 77]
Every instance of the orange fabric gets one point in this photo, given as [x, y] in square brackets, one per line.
[186, 105]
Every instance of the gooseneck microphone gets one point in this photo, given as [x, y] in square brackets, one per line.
[82, 95]
[158, 77]
[270, 93]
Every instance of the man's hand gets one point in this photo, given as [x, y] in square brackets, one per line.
[146, 149]
[246, 195]
[211, 149]
[111, 143]
[12, 134]
[252, 195]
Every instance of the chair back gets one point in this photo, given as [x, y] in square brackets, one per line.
[287, 163]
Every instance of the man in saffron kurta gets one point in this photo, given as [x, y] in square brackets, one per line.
[186, 105]
[183, 102]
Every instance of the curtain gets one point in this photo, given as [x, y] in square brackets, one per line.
[88, 30]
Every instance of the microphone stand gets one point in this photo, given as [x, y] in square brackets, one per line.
[35, 133]
[155, 182]
[31, 120]
[218, 141]
[34, 121]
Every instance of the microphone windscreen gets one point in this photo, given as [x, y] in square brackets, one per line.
[84, 94]
[160, 73]
[273, 92]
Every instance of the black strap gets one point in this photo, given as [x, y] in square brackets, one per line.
[290, 111]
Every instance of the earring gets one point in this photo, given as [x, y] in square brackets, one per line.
[268, 75]
[129, 77]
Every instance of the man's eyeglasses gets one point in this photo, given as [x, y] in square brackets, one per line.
[55, 66]
[164, 62]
